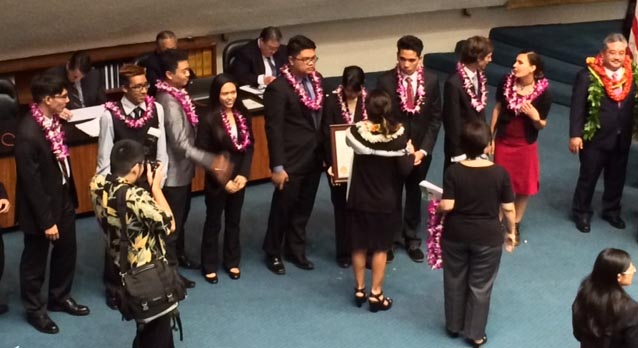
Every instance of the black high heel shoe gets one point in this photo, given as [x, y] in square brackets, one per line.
[475, 344]
[382, 303]
[360, 296]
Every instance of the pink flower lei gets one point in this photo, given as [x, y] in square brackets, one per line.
[344, 106]
[435, 231]
[301, 92]
[53, 132]
[242, 129]
[514, 100]
[182, 98]
[477, 104]
[420, 91]
[131, 122]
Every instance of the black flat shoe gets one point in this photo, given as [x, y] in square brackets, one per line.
[451, 334]
[233, 275]
[301, 262]
[189, 284]
[475, 344]
[416, 254]
[380, 303]
[212, 280]
[359, 296]
[43, 323]
[69, 306]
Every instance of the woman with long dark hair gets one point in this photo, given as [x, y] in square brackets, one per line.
[603, 314]
[226, 127]
[382, 159]
[345, 105]
[523, 101]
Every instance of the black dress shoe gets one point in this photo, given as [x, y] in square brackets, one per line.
[186, 262]
[69, 306]
[451, 334]
[390, 256]
[302, 262]
[615, 221]
[234, 275]
[212, 280]
[43, 323]
[416, 254]
[189, 284]
[582, 224]
[3, 308]
[275, 265]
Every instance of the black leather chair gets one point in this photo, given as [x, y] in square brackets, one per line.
[228, 55]
[8, 100]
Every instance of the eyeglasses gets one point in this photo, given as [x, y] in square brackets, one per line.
[61, 96]
[308, 60]
[140, 87]
[630, 270]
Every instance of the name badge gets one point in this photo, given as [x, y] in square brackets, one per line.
[154, 132]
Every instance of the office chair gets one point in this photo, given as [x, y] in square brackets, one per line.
[228, 55]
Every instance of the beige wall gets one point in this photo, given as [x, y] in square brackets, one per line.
[370, 43]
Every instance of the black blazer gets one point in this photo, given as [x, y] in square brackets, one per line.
[615, 121]
[248, 63]
[542, 103]
[39, 192]
[92, 85]
[154, 71]
[212, 137]
[293, 140]
[457, 110]
[422, 128]
[332, 115]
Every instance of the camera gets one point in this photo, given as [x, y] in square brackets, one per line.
[154, 164]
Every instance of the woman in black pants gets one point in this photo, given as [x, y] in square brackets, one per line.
[473, 192]
[225, 128]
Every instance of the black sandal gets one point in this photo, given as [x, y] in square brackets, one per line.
[382, 303]
[359, 296]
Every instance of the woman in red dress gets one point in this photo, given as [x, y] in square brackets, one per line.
[523, 101]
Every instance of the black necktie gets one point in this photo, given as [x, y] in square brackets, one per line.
[137, 113]
[74, 97]
[272, 66]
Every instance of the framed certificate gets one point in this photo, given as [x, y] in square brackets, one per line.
[342, 154]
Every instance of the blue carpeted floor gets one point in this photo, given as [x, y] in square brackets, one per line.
[530, 304]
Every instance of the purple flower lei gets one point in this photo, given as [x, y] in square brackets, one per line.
[344, 106]
[301, 92]
[514, 100]
[131, 122]
[420, 92]
[182, 98]
[240, 121]
[477, 104]
[53, 133]
[435, 231]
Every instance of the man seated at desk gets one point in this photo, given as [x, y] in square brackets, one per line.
[84, 84]
[165, 40]
[258, 62]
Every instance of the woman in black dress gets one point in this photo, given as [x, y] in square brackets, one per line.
[603, 314]
[473, 192]
[382, 160]
[226, 127]
[345, 105]
[523, 101]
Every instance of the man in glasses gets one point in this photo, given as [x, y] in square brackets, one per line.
[136, 117]
[45, 205]
[84, 84]
[292, 109]
[258, 62]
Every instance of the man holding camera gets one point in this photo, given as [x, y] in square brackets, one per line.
[136, 117]
[149, 221]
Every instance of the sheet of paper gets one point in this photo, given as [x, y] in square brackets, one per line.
[251, 104]
[252, 90]
[430, 190]
[89, 113]
[92, 128]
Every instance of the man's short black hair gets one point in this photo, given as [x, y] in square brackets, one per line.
[125, 154]
[169, 59]
[270, 33]
[298, 43]
[80, 60]
[411, 43]
[46, 85]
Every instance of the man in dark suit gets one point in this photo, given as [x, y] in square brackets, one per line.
[292, 109]
[419, 108]
[605, 148]
[258, 62]
[4, 208]
[45, 205]
[474, 56]
[84, 84]
[165, 40]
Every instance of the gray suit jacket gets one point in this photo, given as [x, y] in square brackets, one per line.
[180, 144]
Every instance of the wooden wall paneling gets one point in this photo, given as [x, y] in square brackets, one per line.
[8, 178]
[83, 165]
[260, 168]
